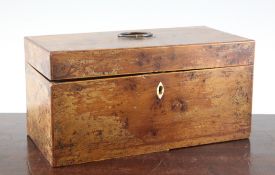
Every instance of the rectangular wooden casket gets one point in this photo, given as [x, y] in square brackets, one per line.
[96, 96]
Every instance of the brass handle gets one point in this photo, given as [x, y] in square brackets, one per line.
[135, 34]
[160, 90]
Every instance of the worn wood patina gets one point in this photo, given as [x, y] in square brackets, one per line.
[96, 96]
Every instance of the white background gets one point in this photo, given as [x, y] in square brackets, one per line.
[254, 19]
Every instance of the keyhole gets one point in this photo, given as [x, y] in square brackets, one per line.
[160, 90]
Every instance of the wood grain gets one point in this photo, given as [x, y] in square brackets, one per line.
[83, 64]
[93, 96]
[109, 40]
[75, 56]
[115, 117]
[224, 158]
[39, 115]
[37, 57]
[253, 156]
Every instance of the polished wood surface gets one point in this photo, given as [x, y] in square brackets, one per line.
[82, 121]
[73, 56]
[254, 156]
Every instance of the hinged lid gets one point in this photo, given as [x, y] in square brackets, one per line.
[87, 55]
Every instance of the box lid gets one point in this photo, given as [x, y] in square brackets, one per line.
[89, 55]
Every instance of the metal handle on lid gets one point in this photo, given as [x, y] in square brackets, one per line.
[135, 34]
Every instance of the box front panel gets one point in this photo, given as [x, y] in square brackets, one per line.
[115, 117]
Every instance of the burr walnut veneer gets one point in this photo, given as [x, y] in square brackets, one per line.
[96, 96]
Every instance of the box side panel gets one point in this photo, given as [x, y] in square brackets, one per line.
[115, 117]
[94, 63]
[37, 57]
[39, 127]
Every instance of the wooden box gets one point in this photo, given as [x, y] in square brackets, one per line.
[97, 96]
